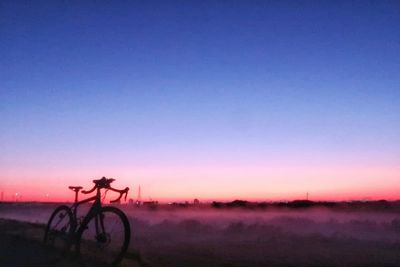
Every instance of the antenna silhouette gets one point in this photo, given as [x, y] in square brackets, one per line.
[139, 196]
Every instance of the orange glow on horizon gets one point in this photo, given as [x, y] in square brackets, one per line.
[223, 183]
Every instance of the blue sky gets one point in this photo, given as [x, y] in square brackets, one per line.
[198, 82]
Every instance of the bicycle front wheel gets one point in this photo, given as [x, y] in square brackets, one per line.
[59, 229]
[103, 237]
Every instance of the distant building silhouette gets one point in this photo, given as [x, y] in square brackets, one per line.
[150, 204]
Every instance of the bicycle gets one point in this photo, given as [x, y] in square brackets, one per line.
[94, 236]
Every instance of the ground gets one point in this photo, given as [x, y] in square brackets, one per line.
[215, 238]
[21, 246]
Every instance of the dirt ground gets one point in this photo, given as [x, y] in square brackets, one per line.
[21, 246]
[284, 242]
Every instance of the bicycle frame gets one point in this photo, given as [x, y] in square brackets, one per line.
[99, 184]
[96, 205]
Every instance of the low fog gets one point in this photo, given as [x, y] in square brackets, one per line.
[239, 237]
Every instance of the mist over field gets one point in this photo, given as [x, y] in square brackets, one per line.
[240, 237]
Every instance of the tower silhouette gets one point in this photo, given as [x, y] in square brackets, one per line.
[139, 196]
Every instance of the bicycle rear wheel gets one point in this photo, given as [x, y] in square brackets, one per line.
[59, 229]
[103, 238]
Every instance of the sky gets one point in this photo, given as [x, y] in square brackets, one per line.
[215, 100]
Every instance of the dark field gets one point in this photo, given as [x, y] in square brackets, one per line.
[224, 237]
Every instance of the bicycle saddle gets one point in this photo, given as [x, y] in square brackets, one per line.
[75, 188]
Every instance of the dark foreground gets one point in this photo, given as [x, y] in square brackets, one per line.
[178, 238]
[21, 246]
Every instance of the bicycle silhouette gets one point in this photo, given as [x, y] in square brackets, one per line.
[102, 235]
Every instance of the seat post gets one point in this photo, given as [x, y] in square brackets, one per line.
[76, 189]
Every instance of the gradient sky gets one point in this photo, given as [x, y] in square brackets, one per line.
[217, 99]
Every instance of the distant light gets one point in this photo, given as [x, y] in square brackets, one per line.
[16, 194]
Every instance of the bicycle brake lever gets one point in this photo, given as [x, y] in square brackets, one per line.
[126, 192]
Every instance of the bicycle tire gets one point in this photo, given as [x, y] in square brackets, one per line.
[101, 250]
[59, 229]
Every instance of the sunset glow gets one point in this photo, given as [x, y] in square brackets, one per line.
[220, 102]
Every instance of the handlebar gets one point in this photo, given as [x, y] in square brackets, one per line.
[89, 191]
[105, 183]
[121, 193]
